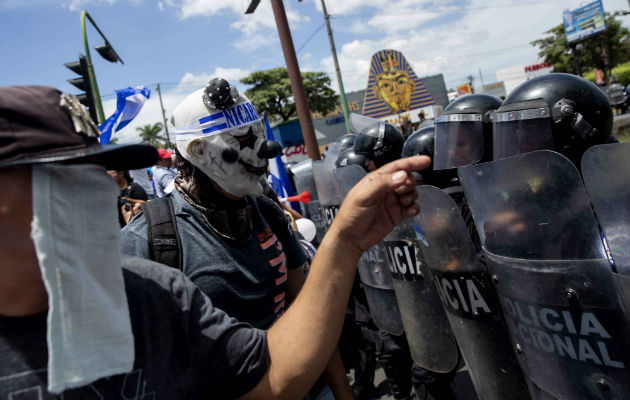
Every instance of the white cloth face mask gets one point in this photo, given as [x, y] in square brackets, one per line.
[77, 237]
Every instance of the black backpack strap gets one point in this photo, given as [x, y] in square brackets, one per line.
[165, 245]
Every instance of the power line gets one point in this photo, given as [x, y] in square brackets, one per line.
[310, 37]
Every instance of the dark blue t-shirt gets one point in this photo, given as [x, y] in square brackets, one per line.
[246, 280]
[184, 347]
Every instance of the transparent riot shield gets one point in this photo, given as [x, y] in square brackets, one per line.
[606, 172]
[466, 291]
[328, 191]
[304, 181]
[532, 206]
[372, 268]
[557, 291]
[430, 339]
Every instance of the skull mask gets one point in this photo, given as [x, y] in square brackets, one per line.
[225, 139]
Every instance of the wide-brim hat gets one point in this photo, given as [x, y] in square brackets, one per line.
[40, 124]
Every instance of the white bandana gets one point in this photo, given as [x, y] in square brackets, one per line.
[77, 237]
[239, 115]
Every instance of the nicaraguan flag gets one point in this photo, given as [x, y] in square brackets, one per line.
[278, 177]
[128, 104]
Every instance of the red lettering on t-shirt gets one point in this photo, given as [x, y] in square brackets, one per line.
[279, 307]
[280, 260]
[264, 235]
[281, 280]
[269, 242]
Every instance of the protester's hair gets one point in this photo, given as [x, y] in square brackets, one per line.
[128, 177]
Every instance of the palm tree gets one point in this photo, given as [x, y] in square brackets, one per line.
[150, 133]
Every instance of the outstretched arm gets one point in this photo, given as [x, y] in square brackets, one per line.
[302, 341]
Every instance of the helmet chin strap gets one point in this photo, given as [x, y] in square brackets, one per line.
[381, 136]
[565, 109]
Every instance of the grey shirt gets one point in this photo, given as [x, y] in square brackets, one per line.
[246, 280]
[185, 347]
[162, 177]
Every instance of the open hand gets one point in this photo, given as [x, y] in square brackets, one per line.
[379, 202]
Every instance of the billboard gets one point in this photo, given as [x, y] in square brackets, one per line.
[584, 21]
[534, 70]
[394, 92]
[464, 89]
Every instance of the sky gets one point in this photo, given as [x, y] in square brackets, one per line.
[181, 44]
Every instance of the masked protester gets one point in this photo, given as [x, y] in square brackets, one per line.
[231, 240]
[78, 320]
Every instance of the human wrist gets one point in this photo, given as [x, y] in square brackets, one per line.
[341, 239]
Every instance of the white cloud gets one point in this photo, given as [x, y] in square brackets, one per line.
[207, 8]
[486, 36]
[348, 7]
[259, 29]
[199, 80]
[76, 5]
[256, 30]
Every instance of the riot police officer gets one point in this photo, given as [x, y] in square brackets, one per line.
[382, 143]
[560, 112]
[542, 241]
[447, 248]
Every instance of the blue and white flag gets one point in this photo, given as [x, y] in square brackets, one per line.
[278, 177]
[128, 105]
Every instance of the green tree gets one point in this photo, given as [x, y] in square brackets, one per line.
[604, 50]
[270, 92]
[113, 140]
[150, 134]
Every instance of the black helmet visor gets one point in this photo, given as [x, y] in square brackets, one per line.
[521, 131]
[458, 140]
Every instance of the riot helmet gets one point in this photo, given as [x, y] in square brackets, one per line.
[346, 141]
[422, 143]
[560, 112]
[463, 132]
[380, 142]
[349, 157]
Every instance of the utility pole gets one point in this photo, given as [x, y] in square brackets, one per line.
[297, 87]
[168, 138]
[342, 93]
[481, 80]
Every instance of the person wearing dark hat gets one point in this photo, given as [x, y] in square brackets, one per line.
[77, 320]
[163, 174]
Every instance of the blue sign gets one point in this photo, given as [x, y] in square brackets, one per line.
[584, 21]
[288, 133]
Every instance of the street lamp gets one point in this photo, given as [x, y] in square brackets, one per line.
[107, 52]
